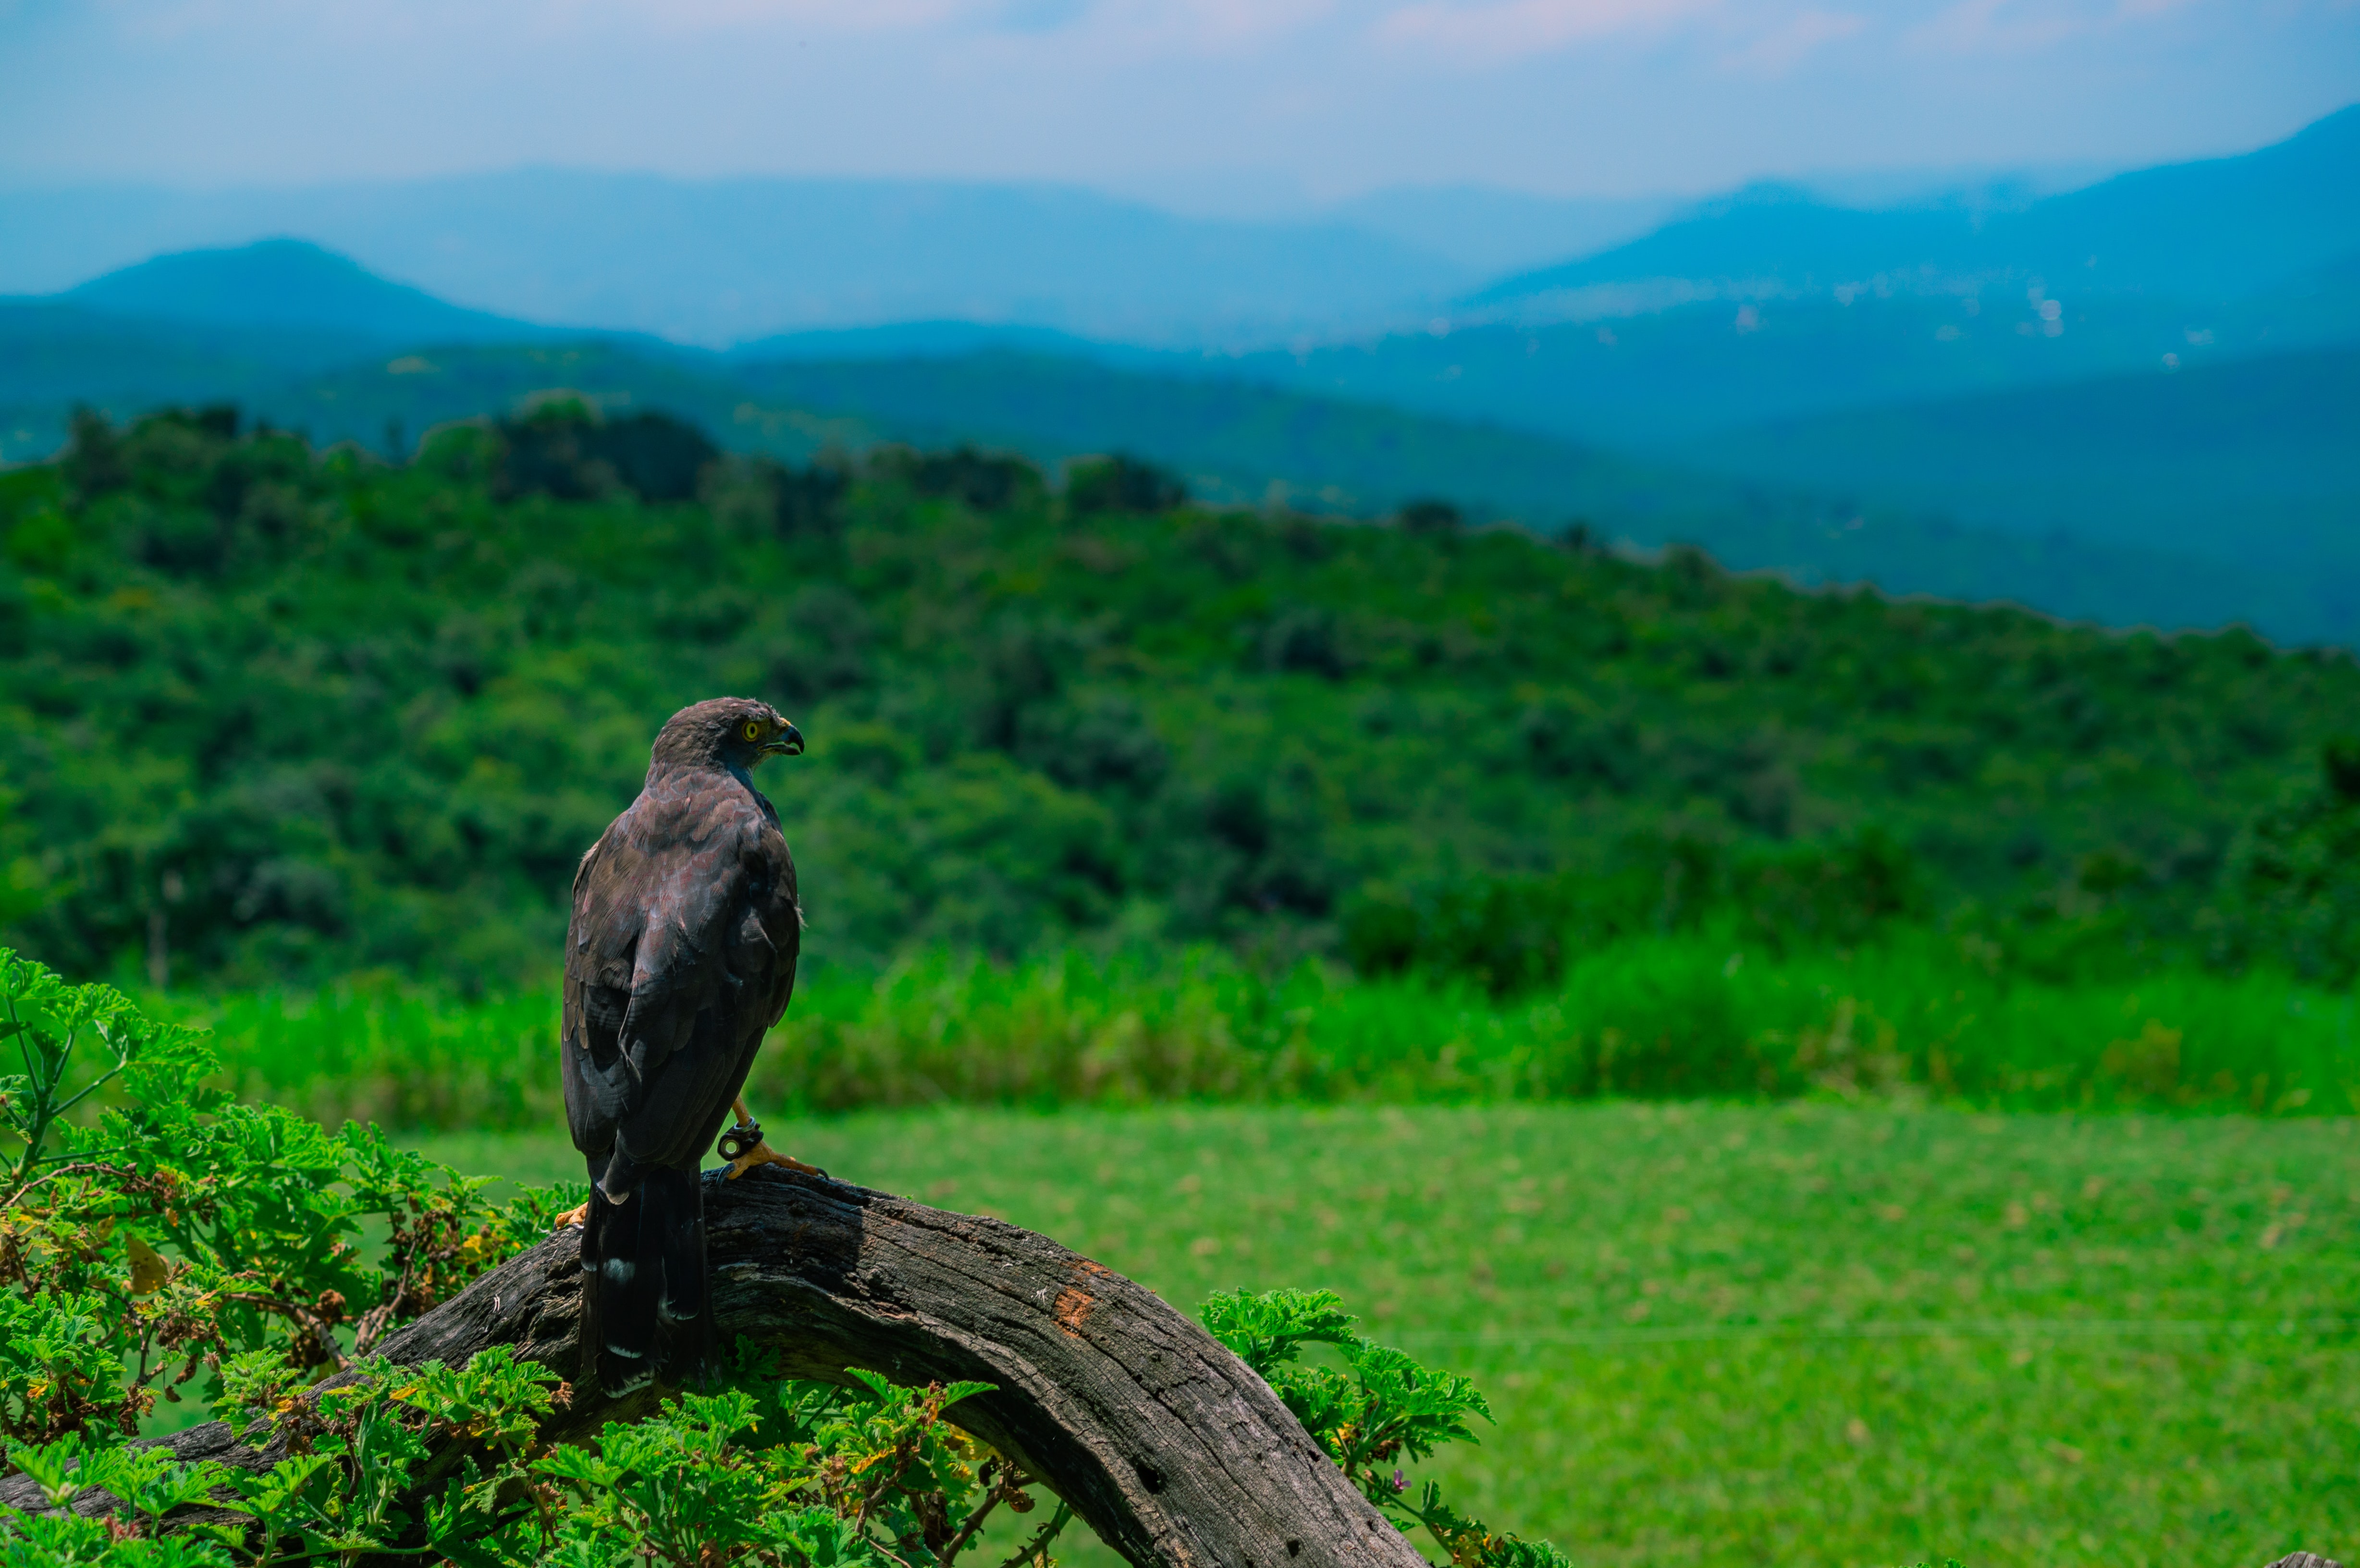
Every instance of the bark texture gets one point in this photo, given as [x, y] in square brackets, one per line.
[1161, 1440]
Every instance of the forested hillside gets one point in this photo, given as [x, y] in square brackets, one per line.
[273, 714]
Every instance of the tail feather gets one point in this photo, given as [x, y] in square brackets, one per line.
[646, 1313]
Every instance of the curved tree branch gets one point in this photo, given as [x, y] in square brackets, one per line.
[1162, 1442]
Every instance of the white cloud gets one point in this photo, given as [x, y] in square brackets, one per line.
[1186, 23]
[2006, 26]
[823, 15]
[1506, 29]
[1787, 45]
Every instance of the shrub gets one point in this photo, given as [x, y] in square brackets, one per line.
[1505, 933]
[1835, 894]
[1381, 1409]
[1123, 483]
[2290, 890]
[1431, 516]
[985, 482]
[562, 448]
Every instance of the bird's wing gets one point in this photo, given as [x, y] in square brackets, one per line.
[778, 928]
[655, 969]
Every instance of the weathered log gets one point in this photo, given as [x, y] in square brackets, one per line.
[1161, 1440]
[2304, 1560]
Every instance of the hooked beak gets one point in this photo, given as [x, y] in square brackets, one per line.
[787, 742]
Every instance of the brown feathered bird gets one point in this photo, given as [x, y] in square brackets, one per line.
[680, 957]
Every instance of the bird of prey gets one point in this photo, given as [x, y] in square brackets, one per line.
[680, 957]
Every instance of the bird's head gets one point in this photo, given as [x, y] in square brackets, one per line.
[726, 732]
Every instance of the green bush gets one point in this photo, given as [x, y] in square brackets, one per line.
[1511, 934]
[1506, 934]
[1380, 1410]
[2291, 887]
[1123, 483]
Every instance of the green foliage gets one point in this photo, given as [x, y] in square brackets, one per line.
[564, 449]
[174, 1231]
[276, 716]
[984, 482]
[2293, 877]
[804, 1474]
[1431, 516]
[1507, 934]
[1123, 483]
[1381, 1408]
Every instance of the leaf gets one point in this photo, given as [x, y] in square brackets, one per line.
[1266, 1330]
[149, 1270]
[51, 1466]
[468, 1554]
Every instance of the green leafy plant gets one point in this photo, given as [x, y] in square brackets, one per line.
[149, 1227]
[2290, 889]
[1380, 1410]
[792, 1473]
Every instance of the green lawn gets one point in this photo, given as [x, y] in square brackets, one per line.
[1793, 1334]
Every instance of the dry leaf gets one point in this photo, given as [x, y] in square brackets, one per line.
[149, 1270]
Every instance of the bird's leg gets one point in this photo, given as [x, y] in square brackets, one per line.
[742, 1146]
[580, 1216]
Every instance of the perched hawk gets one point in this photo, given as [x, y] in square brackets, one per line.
[680, 957]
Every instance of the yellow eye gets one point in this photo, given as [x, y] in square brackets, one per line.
[753, 730]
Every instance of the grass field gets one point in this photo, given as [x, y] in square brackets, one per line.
[1805, 1333]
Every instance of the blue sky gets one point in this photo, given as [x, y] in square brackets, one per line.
[1258, 99]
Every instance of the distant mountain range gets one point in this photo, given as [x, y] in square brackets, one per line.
[288, 286]
[2221, 229]
[720, 261]
[723, 261]
[1925, 397]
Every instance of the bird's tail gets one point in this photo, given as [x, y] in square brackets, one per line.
[646, 1313]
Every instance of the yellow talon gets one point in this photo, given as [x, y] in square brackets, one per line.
[571, 1217]
[747, 1138]
[763, 1154]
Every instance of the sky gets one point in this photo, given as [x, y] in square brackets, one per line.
[1202, 103]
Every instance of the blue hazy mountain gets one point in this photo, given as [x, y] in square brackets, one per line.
[2250, 462]
[1491, 230]
[722, 261]
[2213, 230]
[928, 340]
[288, 286]
[211, 325]
[54, 356]
[1664, 378]
[1766, 239]
[726, 261]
